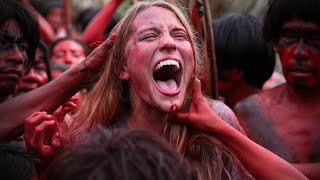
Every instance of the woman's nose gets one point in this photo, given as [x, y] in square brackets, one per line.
[168, 43]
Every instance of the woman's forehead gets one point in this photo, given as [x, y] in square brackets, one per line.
[154, 15]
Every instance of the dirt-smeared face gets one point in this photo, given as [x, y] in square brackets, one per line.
[299, 50]
[160, 60]
[13, 56]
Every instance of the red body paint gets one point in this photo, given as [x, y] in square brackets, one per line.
[300, 54]
[67, 52]
[285, 119]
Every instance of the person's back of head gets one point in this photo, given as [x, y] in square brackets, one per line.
[240, 45]
[16, 164]
[281, 11]
[121, 154]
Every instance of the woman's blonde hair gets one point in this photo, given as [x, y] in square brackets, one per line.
[110, 99]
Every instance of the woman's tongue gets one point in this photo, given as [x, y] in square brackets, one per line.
[167, 85]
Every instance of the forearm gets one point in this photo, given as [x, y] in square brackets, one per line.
[261, 163]
[46, 98]
[96, 28]
[311, 170]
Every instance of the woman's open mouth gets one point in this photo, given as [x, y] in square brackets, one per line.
[167, 77]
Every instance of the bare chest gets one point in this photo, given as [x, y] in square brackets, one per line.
[292, 133]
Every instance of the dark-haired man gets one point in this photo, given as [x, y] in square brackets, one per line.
[19, 36]
[244, 59]
[17, 51]
[285, 119]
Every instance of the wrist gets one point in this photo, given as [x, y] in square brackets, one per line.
[224, 130]
[88, 72]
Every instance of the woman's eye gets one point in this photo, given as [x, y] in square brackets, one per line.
[180, 36]
[149, 37]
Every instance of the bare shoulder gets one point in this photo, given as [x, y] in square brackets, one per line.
[248, 105]
[254, 106]
[254, 113]
[225, 113]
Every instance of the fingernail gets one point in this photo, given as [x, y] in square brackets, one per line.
[112, 37]
[173, 108]
[57, 135]
[49, 116]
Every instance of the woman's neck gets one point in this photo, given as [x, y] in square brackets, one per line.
[147, 118]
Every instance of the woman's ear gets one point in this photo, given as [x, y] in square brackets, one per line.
[124, 75]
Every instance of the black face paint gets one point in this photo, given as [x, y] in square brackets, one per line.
[300, 46]
[288, 39]
[8, 41]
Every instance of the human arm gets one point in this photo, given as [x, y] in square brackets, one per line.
[47, 33]
[311, 170]
[50, 96]
[251, 154]
[97, 26]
